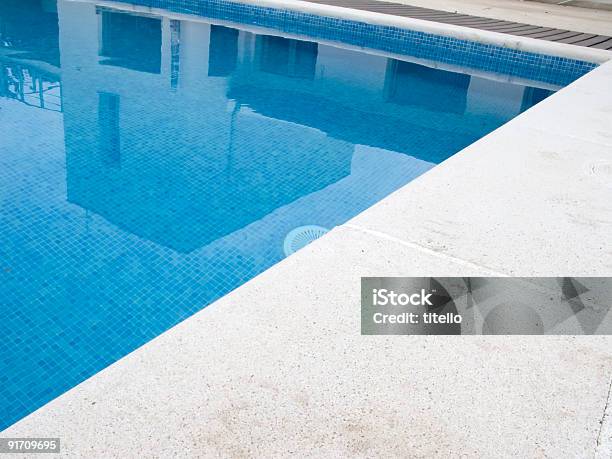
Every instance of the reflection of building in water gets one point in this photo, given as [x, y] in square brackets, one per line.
[445, 91]
[183, 132]
[129, 41]
[29, 53]
[28, 28]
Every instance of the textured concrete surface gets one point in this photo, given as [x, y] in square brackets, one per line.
[604, 438]
[547, 15]
[279, 366]
[605, 5]
[544, 184]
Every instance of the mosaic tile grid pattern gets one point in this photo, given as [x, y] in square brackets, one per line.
[79, 291]
[154, 194]
[551, 69]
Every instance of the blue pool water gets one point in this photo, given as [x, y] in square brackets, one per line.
[150, 165]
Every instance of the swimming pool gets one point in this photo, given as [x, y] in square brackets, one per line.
[151, 163]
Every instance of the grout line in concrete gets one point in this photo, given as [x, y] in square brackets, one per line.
[424, 249]
[603, 448]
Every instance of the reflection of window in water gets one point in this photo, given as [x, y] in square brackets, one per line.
[532, 96]
[108, 122]
[129, 41]
[223, 50]
[284, 56]
[29, 30]
[411, 84]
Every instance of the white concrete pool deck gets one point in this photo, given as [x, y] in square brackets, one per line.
[279, 367]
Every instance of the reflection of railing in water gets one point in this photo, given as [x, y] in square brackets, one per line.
[30, 87]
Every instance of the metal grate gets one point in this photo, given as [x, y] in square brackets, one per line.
[494, 25]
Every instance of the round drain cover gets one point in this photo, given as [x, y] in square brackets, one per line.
[301, 237]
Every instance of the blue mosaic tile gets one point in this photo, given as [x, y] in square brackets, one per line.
[550, 69]
[136, 190]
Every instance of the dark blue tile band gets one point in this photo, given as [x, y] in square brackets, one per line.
[550, 69]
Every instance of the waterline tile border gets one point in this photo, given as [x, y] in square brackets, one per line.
[553, 69]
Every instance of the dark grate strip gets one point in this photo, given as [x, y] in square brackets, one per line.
[476, 22]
